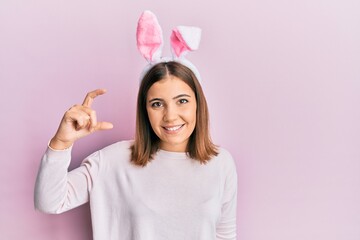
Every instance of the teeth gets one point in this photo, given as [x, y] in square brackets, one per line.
[173, 128]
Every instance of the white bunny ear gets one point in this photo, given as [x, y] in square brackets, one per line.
[184, 39]
[149, 36]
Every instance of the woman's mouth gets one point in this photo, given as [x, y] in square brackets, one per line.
[173, 129]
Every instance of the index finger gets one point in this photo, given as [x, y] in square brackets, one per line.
[91, 96]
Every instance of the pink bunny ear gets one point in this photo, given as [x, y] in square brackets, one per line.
[149, 36]
[184, 39]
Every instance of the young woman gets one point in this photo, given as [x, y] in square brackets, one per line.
[170, 182]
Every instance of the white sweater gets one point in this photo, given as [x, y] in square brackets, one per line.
[173, 197]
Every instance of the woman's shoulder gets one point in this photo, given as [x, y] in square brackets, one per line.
[225, 158]
[117, 149]
[224, 154]
[119, 145]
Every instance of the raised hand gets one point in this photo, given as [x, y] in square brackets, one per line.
[79, 121]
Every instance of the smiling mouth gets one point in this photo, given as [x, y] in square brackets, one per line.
[174, 128]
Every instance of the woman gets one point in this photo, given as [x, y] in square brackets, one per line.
[171, 182]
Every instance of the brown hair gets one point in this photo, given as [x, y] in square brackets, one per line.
[200, 146]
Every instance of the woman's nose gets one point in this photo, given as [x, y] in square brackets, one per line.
[170, 114]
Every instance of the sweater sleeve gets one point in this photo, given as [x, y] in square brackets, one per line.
[56, 189]
[226, 227]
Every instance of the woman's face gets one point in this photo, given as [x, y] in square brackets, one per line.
[171, 107]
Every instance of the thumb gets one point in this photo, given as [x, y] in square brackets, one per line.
[104, 126]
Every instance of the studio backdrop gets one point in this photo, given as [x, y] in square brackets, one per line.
[282, 80]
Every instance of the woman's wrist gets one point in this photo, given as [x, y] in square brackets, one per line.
[57, 144]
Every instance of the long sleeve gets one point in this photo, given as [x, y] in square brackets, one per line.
[56, 189]
[226, 228]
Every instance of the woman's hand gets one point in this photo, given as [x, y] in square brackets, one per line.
[79, 121]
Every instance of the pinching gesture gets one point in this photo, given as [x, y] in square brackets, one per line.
[79, 121]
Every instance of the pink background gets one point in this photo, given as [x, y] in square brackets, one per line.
[282, 80]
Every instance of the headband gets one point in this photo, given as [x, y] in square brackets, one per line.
[150, 42]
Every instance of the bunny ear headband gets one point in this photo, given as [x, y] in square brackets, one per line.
[150, 42]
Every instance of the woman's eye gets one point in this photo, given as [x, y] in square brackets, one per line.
[156, 104]
[182, 101]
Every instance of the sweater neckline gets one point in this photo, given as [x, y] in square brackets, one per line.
[172, 155]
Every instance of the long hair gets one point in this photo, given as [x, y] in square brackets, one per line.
[146, 144]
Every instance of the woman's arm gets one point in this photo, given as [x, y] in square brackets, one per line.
[56, 189]
[226, 228]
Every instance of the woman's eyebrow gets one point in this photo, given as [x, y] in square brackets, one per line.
[161, 100]
[156, 99]
[182, 95]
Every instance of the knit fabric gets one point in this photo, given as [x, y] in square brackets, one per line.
[173, 197]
